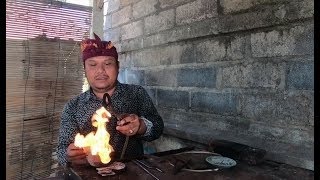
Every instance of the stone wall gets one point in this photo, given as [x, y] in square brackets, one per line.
[239, 70]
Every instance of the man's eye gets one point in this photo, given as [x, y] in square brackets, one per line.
[108, 64]
[92, 64]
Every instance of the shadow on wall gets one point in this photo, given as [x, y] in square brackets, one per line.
[166, 143]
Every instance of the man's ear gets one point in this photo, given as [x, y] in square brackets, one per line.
[84, 69]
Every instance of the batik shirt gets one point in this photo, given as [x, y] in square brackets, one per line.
[133, 99]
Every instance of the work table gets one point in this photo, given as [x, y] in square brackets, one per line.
[242, 171]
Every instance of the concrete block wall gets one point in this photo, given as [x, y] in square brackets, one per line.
[239, 70]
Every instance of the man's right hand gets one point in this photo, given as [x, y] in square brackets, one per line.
[76, 156]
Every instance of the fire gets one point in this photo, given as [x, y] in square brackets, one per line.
[98, 142]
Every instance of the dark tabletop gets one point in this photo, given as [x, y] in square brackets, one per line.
[242, 171]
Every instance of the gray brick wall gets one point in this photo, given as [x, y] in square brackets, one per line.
[232, 6]
[239, 70]
[135, 77]
[158, 22]
[289, 108]
[253, 75]
[113, 5]
[143, 8]
[293, 41]
[173, 99]
[112, 34]
[132, 30]
[172, 3]
[127, 2]
[217, 103]
[210, 50]
[163, 77]
[120, 17]
[200, 77]
[196, 11]
[300, 76]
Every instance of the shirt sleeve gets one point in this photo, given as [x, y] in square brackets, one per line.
[150, 113]
[67, 132]
[148, 126]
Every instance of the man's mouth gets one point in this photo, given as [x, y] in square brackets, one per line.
[101, 78]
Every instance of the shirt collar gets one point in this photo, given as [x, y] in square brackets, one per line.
[90, 95]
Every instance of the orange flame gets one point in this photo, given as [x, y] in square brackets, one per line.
[97, 142]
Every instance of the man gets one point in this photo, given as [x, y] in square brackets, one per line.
[142, 122]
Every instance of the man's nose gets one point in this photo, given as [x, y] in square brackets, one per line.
[101, 68]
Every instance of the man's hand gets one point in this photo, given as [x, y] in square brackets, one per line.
[76, 156]
[94, 160]
[131, 125]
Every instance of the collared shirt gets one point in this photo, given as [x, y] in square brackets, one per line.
[132, 99]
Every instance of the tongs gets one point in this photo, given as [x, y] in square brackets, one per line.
[148, 165]
[105, 103]
[144, 166]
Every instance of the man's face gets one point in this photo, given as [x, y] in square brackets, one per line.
[101, 72]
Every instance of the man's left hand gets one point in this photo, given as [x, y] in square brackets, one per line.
[131, 125]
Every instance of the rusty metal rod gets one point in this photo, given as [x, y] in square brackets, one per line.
[149, 166]
[124, 147]
[146, 170]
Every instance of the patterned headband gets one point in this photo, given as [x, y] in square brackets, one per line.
[96, 47]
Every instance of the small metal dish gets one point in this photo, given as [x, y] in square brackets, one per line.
[199, 156]
[221, 162]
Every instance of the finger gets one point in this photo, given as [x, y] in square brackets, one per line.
[122, 116]
[122, 128]
[121, 122]
[79, 162]
[132, 117]
[127, 119]
[129, 122]
[131, 132]
[124, 121]
[126, 130]
[72, 146]
[73, 158]
[78, 156]
[76, 152]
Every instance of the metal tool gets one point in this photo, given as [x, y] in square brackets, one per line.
[149, 166]
[106, 101]
[179, 166]
[175, 151]
[146, 170]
